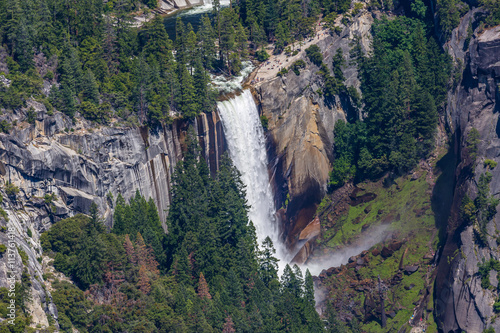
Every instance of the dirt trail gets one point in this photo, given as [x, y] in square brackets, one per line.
[270, 68]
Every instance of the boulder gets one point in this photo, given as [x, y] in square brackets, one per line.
[386, 252]
[410, 269]
[395, 246]
[410, 287]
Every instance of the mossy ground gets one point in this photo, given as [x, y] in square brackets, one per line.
[404, 206]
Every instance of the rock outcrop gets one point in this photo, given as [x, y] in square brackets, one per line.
[83, 165]
[301, 124]
[461, 303]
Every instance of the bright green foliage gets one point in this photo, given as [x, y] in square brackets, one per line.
[485, 205]
[449, 13]
[481, 210]
[31, 115]
[402, 88]
[484, 271]
[313, 52]
[297, 66]
[472, 143]
[140, 216]
[337, 6]
[493, 8]
[11, 190]
[490, 164]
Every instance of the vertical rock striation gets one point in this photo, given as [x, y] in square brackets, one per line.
[461, 303]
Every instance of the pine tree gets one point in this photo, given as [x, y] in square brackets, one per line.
[228, 325]
[143, 282]
[90, 90]
[206, 41]
[203, 291]
[188, 105]
[268, 263]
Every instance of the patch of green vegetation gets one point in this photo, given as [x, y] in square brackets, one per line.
[11, 190]
[484, 272]
[313, 52]
[49, 198]
[264, 121]
[405, 210]
[490, 164]
[3, 214]
[473, 143]
[282, 72]
[297, 66]
[23, 255]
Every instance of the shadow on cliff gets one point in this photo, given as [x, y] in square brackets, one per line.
[443, 192]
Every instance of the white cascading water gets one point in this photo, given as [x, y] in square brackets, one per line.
[247, 148]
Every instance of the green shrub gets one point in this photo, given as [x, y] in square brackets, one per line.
[49, 198]
[49, 107]
[23, 255]
[49, 76]
[490, 164]
[3, 214]
[11, 190]
[5, 126]
[282, 72]
[29, 233]
[313, 52]
[484, 271]
[31, 116]
[262, 55]
[493, 8]
[472, 143]
[357, 8]
[264, 121]
[297, 66]
[3, 248]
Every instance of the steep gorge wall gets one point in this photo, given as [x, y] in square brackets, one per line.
[301, 123]
[81, 166]
[461, 303]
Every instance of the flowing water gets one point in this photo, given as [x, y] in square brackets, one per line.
[247, 148]
[191, 15]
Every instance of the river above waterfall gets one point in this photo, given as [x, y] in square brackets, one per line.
[191, 15]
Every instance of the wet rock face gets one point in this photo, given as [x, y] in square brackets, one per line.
[301, 123]
[461, 302]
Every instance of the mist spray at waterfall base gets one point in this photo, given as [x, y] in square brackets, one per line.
[367, 240]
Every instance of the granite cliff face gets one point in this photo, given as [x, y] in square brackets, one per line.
[461, 303]
[84, 165]
[300, 131]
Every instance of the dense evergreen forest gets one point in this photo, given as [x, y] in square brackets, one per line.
[208, 274]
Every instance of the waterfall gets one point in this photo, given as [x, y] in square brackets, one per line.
[247, 148]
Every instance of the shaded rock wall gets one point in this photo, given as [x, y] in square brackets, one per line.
[461, 303]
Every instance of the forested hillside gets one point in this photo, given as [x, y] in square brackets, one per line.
[208, 274]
